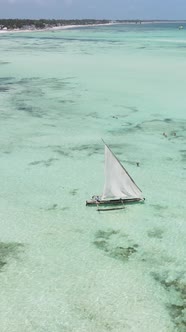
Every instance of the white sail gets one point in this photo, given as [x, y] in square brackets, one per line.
[118, 183]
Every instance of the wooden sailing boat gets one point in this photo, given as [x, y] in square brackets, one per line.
[119, 187]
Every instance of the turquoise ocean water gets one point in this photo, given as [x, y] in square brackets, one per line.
[64, 267]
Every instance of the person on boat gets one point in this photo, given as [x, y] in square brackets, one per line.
[96, 198]
[164, 134]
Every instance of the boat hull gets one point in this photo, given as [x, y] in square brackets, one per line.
[114, 201]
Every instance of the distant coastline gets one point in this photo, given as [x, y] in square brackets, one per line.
[27, 25]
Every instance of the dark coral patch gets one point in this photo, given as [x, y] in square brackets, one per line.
[4, 62]
[122, 253]
[74, 192]
[176, 289]
[101, 244]
[103, 241]
[7, 251]
[4, 88]
[156, 233]
[46, 163]
[90, 149]
[106, 234]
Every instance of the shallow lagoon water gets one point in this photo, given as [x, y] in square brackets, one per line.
[64, 266]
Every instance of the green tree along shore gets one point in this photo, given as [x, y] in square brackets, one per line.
[11, 24]
[43, 23]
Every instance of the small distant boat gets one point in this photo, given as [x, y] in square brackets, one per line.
[181, 27]
[119, 187]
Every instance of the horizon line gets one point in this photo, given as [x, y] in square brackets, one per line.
[94, 19]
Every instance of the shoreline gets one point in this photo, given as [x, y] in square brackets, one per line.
[57, 28]
[66, 27]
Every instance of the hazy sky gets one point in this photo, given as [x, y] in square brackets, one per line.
[111, 9]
